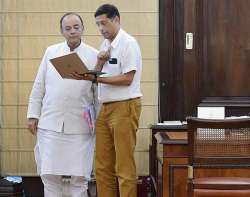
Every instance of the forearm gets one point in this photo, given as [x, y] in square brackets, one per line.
[122, 80]
[102, 58]
[99, 66]
[35, 101]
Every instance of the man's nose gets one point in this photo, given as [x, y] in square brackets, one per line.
[100, 27]
[72, 31]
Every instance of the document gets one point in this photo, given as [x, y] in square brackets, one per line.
[171, 122]
[68, 64]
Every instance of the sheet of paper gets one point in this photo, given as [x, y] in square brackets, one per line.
[211, 112]
[171, 122]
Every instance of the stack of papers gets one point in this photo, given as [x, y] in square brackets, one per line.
[237, 117]
[172, 122]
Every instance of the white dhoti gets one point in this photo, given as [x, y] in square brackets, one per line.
[64, 154]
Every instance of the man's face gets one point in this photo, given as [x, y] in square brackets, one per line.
[108, 27]
[72, 29]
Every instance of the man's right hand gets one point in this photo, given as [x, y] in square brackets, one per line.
[32, 125]
[102, 58]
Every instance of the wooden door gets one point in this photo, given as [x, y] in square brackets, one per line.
[217, 65]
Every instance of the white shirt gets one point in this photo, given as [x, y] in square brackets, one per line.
[125, 57]
[59, 103]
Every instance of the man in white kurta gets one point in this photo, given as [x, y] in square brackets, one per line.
[65, 143]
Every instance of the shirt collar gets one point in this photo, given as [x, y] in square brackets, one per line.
[115, 42]
[76, 49]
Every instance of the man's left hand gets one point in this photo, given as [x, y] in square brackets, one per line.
[77, 76]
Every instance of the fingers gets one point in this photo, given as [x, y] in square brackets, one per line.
[33, 131]
[85, 76]
[109, 50]
[32, 126]
[78, 76]
[104, 55]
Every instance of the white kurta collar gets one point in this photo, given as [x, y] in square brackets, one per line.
[67, 48]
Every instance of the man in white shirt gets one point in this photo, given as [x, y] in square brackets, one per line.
[65, 144]
[119, 91]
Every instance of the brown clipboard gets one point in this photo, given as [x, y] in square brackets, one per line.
[68, 64]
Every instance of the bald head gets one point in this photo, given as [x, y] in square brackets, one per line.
[68, 14]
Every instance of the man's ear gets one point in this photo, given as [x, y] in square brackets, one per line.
[117, 19]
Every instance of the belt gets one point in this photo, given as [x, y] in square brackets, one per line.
[106, 103]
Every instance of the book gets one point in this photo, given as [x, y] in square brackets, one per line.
[70, 63]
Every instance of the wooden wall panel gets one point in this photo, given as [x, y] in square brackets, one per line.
[142, 158]
[26, 141]
[143, 140]
[9, 47]
[28, 69]
[150, 71]
[22, 112]
[9, 117]
[228, 49]
[24, 90]
[26, 163]
[150, 93]
[76, 5]
[9, 162]
[10, 93]
[148, 116]
[9, 139]
[9, 70]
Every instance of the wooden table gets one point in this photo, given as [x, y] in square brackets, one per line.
[169, 156]
[152, 148]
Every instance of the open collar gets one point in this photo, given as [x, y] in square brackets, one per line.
[118, 37]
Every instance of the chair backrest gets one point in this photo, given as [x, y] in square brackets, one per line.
[224, 141]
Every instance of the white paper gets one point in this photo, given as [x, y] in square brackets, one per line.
[211, 112]
[171, 122]
[237, 117]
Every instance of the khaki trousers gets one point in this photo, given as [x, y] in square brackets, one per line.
[116, 128]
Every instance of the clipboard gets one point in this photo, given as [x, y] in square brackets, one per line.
[68, 64]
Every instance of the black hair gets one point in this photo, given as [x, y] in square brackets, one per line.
[110, 10]
[67, 14]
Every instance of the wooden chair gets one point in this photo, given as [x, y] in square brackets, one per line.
[219, 157]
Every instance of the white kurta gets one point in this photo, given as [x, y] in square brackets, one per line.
[65, 144]
[64, 154]
[59, 102]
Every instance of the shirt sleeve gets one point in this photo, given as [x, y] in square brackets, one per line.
[38, 90]
[131, 57]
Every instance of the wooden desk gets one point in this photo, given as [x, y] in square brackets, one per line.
[172, 158]
[152, 148]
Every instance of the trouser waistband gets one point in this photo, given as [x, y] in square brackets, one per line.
[106, 103]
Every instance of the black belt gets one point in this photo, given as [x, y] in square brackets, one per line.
[106, 103]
